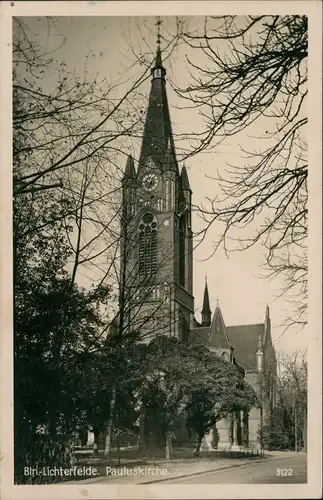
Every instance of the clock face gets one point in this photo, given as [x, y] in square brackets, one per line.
[150, 182]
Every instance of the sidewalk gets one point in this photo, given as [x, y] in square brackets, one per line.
[164, 471]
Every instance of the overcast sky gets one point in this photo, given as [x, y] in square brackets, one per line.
[105, 44]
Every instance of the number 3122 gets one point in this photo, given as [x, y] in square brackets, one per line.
[284, 472]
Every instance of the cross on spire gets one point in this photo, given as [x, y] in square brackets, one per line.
[158, 61]
[158, 24]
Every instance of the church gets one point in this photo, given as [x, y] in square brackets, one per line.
[157, 268]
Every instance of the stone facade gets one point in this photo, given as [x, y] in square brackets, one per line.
[250, 347]
[157, 269]
[157, 225]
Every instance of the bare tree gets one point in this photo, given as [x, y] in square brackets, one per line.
[69, 138]
[293, 391]
[285, 425]
[253, 80]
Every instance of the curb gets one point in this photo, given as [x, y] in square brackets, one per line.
[226, 467]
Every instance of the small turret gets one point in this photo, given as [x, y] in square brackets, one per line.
[184, 179]
[206, 310]
[130, 171]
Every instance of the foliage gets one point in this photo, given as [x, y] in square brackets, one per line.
[185, 379]
[222, 391]
[64, 129]
[278, 430]
[285, 425]
[41, 452]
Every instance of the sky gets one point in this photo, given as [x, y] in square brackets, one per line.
[106, 44]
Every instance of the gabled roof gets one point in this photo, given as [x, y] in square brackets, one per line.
[244, 339]
[218, 332]
[245, 342]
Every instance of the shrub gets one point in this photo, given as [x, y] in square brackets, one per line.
[38, 453]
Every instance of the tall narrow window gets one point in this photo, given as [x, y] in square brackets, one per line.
[182, 252]
[147, 245]
[167, 194]
[172, 195]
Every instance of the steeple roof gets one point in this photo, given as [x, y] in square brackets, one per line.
[206, 312]
[206, 301]
[158, 61]
[218, 333]
[130, 171]
[158, 142]
[186, 186]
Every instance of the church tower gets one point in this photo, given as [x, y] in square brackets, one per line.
[157, 230]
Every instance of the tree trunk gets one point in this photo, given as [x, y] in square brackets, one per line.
[52, 426]
[305, 431]
[169, 438]
[96, 434]
[108, 437]
[198, 446]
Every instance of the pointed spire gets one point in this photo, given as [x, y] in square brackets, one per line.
[170, 162]
[130, 171]
[218, 332]
[206, 310]
[158, 60]
[185, 182]
[158, 71]
[158, 141]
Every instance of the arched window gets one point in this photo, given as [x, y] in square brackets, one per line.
[147, 245]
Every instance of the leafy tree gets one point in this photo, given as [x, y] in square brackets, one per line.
[65, 129]
[220, 392]
[277, 430]
[185, 379]
[201, 416]
[285, 426]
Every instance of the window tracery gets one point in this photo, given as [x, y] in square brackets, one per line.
[147, 245]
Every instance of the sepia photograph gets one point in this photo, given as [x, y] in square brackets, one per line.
[160, 247]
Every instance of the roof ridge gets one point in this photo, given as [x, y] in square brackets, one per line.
[247, 324]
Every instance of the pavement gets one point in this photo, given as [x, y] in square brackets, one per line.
[279, 470]
[291, 466]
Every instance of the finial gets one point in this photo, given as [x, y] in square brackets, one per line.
[206, 279]
[158, 24]
[217, 302]
[157, 70]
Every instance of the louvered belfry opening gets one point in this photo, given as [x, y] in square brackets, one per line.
[147, 245]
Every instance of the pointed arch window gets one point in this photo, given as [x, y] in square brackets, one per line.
[147, 245]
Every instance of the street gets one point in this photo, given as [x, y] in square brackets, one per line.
[291, 470]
